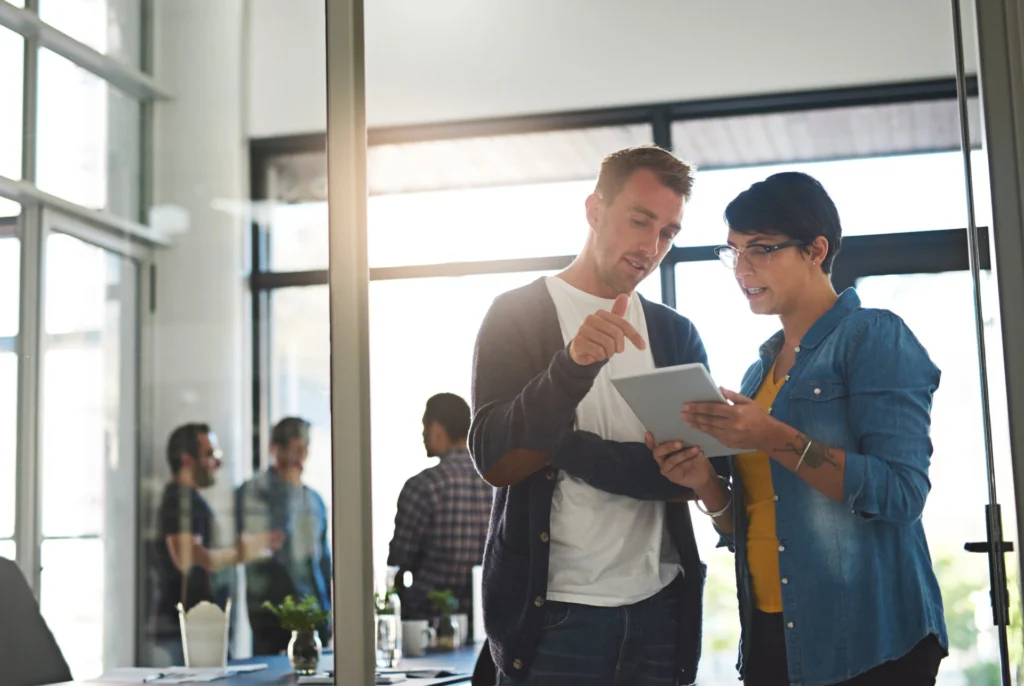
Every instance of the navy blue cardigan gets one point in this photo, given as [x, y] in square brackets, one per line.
[525, 392]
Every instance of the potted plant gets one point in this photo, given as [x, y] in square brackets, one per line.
[445, 604]
[302, 619]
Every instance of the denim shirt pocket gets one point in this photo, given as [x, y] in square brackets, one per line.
[819, 408]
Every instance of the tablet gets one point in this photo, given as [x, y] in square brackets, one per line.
[657, 398]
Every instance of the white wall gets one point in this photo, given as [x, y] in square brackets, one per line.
[445, 60]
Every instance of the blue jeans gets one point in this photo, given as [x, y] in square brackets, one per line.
[583, 645]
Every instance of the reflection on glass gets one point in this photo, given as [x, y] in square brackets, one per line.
[12, 51]
[71, 599]
[939, 308]
[8, 549]
[92, 158]
[935, 199]
[10, 269]
[87, 483]
[111, 27]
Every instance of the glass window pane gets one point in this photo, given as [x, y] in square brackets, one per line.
[913, 193]
[939, 308]
[10, 269]
[71, 596]
[300, 374]
[112, 27]
[10, 284]
[93, 158]
[873, 195]
[8, 440]
[81, 385]
[465, 200]
[500, 223]
[8, 549]
[12, 53]
[706, 293]
[298, 236]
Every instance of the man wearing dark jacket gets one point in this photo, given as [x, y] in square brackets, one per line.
[591, 570]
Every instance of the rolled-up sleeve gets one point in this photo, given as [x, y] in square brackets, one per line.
[891, 382]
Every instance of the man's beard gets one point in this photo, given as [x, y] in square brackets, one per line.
[204, 478]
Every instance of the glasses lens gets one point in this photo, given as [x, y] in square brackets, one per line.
[727, 255]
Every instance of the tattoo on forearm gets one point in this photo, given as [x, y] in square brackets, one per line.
[817, 455]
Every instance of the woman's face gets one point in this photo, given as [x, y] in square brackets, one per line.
[773, 270]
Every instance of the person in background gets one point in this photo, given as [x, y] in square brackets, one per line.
[836, 585]
[441, 524]
[277, 500]
[187, 551]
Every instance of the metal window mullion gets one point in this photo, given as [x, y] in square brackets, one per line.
[126, 78]
[28, 194]
[29, 103]
[28, 454]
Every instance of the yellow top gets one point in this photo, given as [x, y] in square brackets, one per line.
[759, 500]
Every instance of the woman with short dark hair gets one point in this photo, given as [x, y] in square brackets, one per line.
[824, 514]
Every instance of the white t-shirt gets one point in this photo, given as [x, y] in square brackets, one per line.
[606, 550]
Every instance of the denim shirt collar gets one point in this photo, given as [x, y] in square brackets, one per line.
[847, 302]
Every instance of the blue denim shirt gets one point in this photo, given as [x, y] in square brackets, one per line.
[302, 566]
[858, 583]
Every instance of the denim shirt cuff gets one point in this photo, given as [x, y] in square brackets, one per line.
[854, 478]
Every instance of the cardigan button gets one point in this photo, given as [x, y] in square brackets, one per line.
[517, 663]
[544, 536]
[817, 391]
[550, 476]
[538, 601]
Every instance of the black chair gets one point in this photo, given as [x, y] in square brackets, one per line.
[29, 655]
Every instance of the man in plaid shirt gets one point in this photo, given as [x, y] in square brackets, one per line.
[443, 514]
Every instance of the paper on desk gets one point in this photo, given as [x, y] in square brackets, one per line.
[174, 675]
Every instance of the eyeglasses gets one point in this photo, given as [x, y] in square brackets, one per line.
[757, 254]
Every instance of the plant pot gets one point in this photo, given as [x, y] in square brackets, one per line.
[447, 633]
[304, 652]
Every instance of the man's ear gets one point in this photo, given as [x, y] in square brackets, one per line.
[594, 208]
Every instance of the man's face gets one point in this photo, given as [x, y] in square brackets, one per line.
[291, 456]
[208, 461]
[633, 233]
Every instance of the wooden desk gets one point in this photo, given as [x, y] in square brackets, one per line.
[279, 672]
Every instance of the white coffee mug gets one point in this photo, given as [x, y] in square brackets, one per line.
[417, 636]
[463, 620]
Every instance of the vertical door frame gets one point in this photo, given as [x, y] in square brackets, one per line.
[350, 375]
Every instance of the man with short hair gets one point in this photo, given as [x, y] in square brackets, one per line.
[443, 511]
[591, 572]
[277, 500]
[187, 552]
